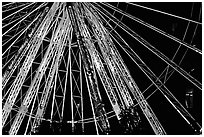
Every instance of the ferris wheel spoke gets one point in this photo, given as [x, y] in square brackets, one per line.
[154, 28]
[154, 50]
[6, 92]
[156, 126]
[159, 78]
[167, 94]
[54, 94]
[19, 15]
[75, 82]
[18, 58]
[23, 94]
[17, 11]
[106, 81]
[32, 91]
[71, 90]
[57, 108]
[91, 101]
[60, 82]
[136, 58]
[18, 19]
[148, 107]
[46, 94]
[15, 34]
[75, 91]
[82, 100]
[115, 70]
[18, 35]
[8, 4]
[165, 78]
[24, 17]
[80, 44]
[14, 89]
[89, 69]
[121, 17]
[165, 13]
[15, 7]
[31, 112]
[9, 54]
[67, 70]
[186, 49]
[160, 86]
[75, 59]
[61, 50]
[57, 87]
[11, 119]
[12, 4]
[8, 74]
[77, 109]
[49, 84]
[11, 22]
[168, 72]
[114, 12]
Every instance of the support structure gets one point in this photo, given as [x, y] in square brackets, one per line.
[158, 129]
[68, 55]
[34, 43]
[91, 76]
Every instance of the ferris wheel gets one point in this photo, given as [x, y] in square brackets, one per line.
[101, 68]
